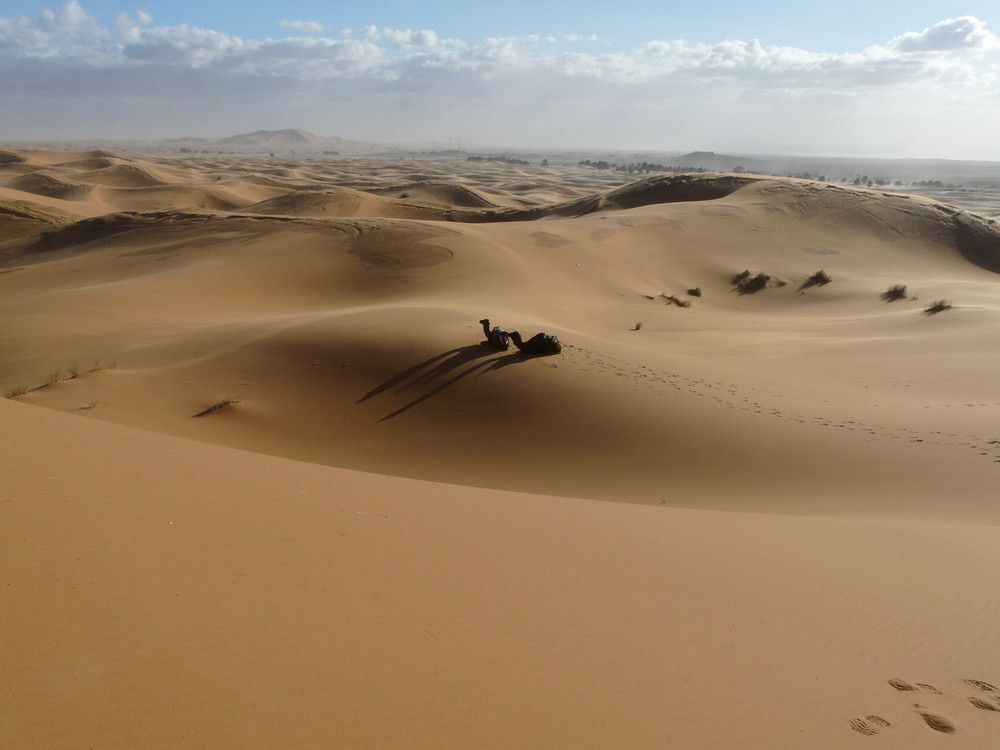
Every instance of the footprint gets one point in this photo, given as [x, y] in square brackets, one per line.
[929, 688]
[980, 685]
[984, 704]
[862, 726]
[901, 684]
[867, 725]
[935, 721]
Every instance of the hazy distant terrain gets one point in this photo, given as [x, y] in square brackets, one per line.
[972, 185]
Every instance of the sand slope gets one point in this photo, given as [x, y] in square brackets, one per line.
[162, 592]
[386, 534]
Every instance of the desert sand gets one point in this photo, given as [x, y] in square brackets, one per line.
[718, 518]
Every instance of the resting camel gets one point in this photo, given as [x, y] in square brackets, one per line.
[498, 338]
[540, 343]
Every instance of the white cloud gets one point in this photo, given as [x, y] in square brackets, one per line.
[183, 45]
[309, 27]
[65, 18]
[407, 39]
[537, 88]
[128, 30]
[965, 33]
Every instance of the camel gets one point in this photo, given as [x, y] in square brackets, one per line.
[498, 338]
[540, 343]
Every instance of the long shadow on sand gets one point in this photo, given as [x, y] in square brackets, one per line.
[443, 370]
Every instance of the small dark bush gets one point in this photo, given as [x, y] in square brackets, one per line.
[217, 406]
[676, 300]
[938, 306]
[754, 284]
[820, 278]
[894, 293]
[696, 292]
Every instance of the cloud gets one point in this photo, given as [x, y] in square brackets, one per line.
[955, 34]
[309, 27]
[65, 18]
[399, 84]
[408, 39]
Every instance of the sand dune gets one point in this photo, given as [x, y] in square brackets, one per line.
[342, 202]
[445, 194]
[20, 218]
[121, 175]
[49, 186]
[749, 516]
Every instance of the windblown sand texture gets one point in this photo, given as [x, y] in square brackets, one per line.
[716, 519]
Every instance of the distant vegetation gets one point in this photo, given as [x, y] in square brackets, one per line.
[503, 159]
[638, 167]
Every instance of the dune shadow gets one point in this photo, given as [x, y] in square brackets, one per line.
[977, 240]
[402, 377]
[441, 371]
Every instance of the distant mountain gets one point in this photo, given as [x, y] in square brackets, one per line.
[273, 139]
[267, 141]
[715, 162]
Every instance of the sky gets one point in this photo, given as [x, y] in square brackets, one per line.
[885, 78]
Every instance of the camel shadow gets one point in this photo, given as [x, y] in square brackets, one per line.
[442, 371]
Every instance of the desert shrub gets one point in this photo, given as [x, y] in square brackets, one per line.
[217, 406]
[676, 300]
[937, 306]
[820, 278]
[696, 292]
[894, 293]
[751, 284]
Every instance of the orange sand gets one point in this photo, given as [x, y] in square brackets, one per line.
[730, 526]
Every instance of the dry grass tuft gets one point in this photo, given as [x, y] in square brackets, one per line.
[217, 406]
[894, 293]
[937, 306]
[675, 300]
[747, 283]
[820, 278]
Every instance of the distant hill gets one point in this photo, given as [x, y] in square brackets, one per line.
[266, 141]
[273, 139]
[714, 162]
